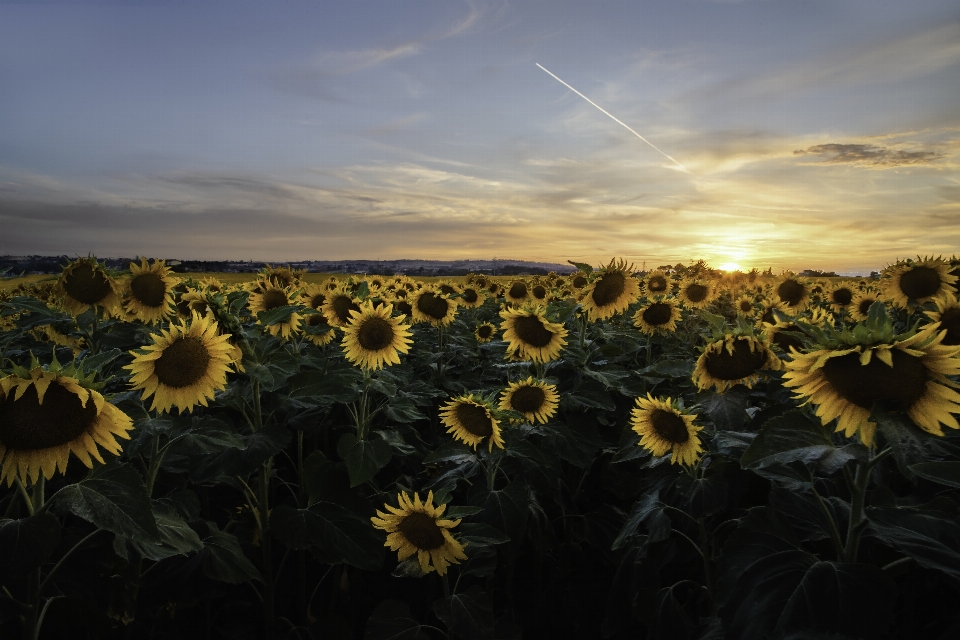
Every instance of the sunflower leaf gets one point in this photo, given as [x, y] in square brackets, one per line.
[112, 497]
[176, 537]
[363, 457]
[277, 315]
[945, 473]
[392, 620]
[648, 511]
[468, 615]
[26, 544]
[222, 558]
[926, 537]
[792, 437]
[477, 534]
[337, 533]
[582, 266]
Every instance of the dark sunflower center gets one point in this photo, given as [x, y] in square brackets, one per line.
[470, 295]
[281, 280]
[864, 307]
[485, 331]
[400, 293]
[950, 320]
[316, 320]
[422, 531]
[902, 384]
[375, 334]
[657, 314]
[527, 399]
[580, 282]
[697, 293]
[200, 306]
[531, 331]
[743, 363]
[317, 301]
[657, 284]
[149, 289]
[768, 316]
[474, 419]
[791, 292]
[403, 307]
[669, 426]
[746, 306]
[539, 292]
[785, 341]
[433, 306]
[447, 289]
[609, 288]
[87, 285]
[518, 290]
[27, 425]
[182, 363]
[920, 282]
[842, 297]
[273, 298]
[342, 306]
[481, 282]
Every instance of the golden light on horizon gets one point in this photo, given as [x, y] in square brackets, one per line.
[730, 267]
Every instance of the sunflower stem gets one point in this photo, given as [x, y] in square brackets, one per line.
[834, 531]
[26, 496]
[265, 546]
[446, 586]
[858, 489]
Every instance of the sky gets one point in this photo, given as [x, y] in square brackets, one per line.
[803, 133]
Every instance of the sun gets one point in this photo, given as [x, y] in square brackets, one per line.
[730, 267]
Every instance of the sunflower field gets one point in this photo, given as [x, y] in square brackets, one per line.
[606, 454]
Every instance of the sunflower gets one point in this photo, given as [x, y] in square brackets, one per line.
[767, 309]
[657, 282]
[745, 306]
[447, 287]
[538, 291]
[416, 527]
[184, 366]
[272, 297]
[471, 297]
[280, 277]
[517, 293]
[45, 414]
[578, 280]
[535, 399]
[314, 296]
[432, 306]
[948, 315]
[696, 293]
[337, 307]
[375, 338]
[860, 306]
[909, 374]
[530, 333]
[469, 419]
[612, 291]
[49, 333]
[776, 336]
[149, 293]
[917, 281]
[658, 316]
[791, 291]
[840, 297]
[484, 332]
[732, 360]
[664, 428]
[212, 285]
[194, 301]
[85, 283]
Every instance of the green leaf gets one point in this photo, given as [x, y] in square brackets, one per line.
[176, 537]
[277, 315]
[477, 534]
[363, 457]
[582, 266]
[341, 535]
[26, 544]
[926, 537]
[792, 437]
[451, 451]
[222, 558]
[392, 620]
[340, 387]
[910, 444]
[505, 509]
[727, 410]
[98, 362]
[112, 497]
[647, 511]
[946, 473]
[452, 513]
[468, 615]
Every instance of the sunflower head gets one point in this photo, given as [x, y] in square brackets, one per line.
[271, 297]
[733, 359]
[948, 315]
[664, 428]
[416, 527]
[535, 399]
[375, 338]
[792, 291]
[485, 332]
[470, 419]
[337, 307]
[660, 315]
[840, 296]
[696, 293]
[611, 291]
[432, 306]
[85, 283]
[657, 282]
[184, 366]
[745, 306]
[917, 281]
[532, 335]
[149, 291]
[49, 412]
[517, 292]
[471, 296]
[280, 277]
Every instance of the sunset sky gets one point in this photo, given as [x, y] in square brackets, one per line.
[811, 134]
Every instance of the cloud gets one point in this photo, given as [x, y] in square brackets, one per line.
[870, 155]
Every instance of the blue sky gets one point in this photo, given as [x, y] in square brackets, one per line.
[814, 134]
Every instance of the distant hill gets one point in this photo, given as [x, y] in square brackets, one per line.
[54, 264]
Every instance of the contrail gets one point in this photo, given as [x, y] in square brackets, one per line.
[682, 168]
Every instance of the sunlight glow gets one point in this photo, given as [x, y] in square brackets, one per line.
[730, 266]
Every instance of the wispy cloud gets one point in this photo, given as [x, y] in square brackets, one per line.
[869, 155]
